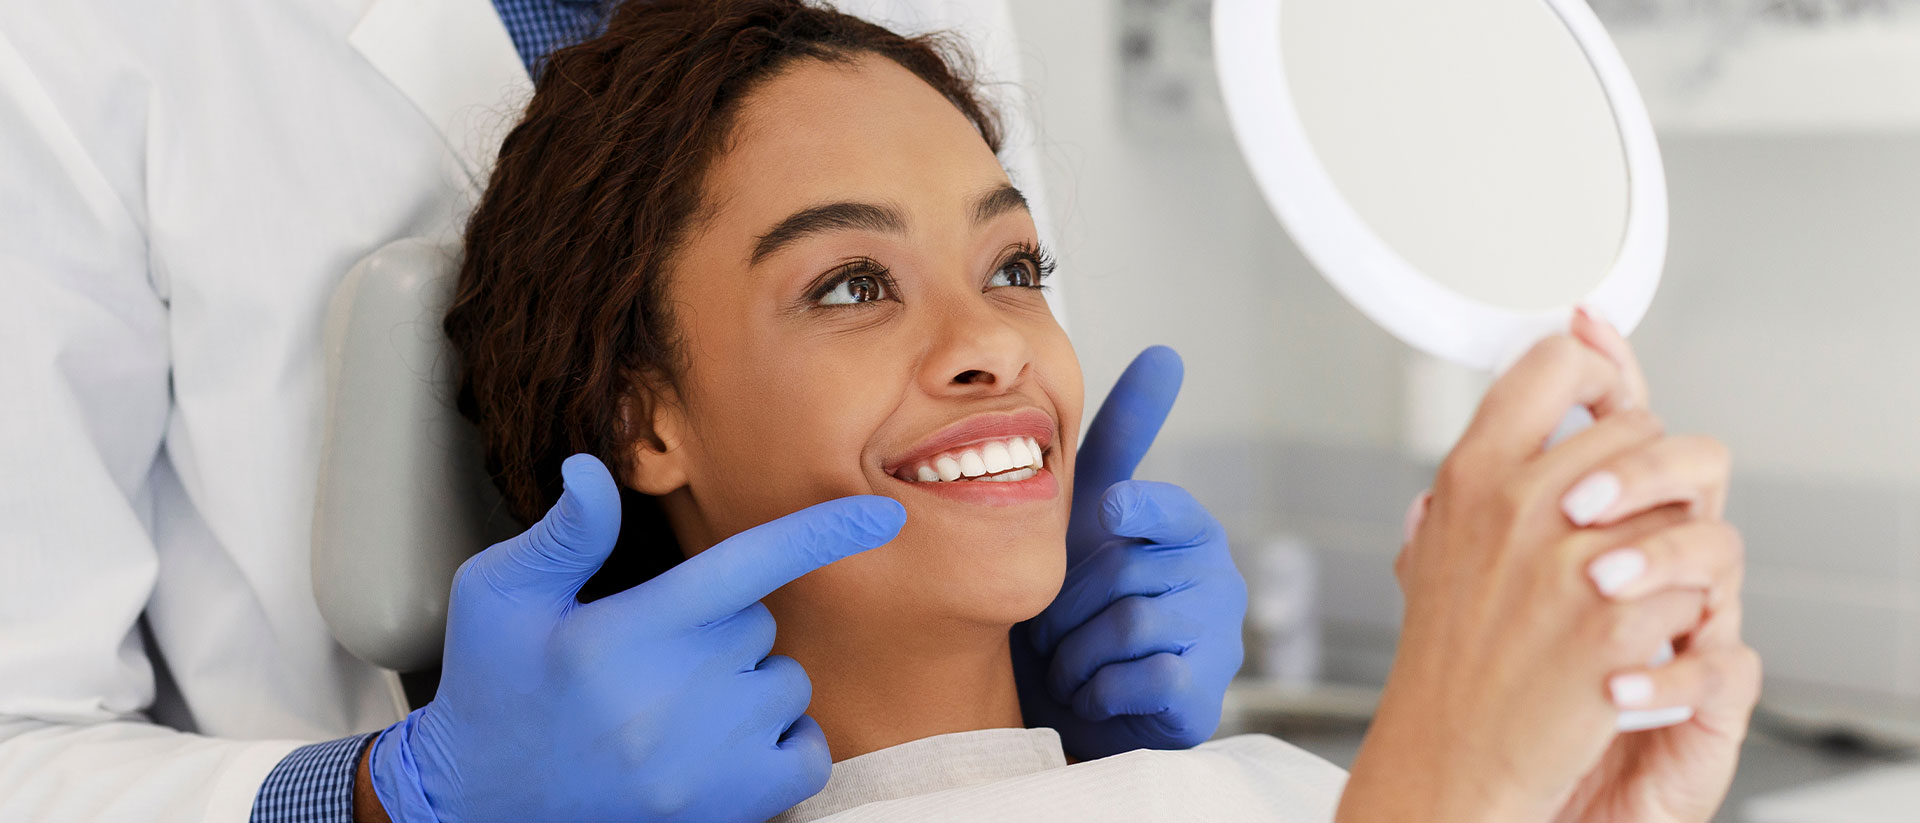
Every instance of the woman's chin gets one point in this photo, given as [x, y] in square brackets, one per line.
[1006, 588]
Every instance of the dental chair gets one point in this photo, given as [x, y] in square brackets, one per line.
[403, 496]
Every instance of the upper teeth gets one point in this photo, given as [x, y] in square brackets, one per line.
[979, 460]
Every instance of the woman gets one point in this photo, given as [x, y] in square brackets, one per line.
[757, 255]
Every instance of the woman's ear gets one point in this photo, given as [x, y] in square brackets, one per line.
[655, 424]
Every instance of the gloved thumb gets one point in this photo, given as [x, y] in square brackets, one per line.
[1160, 513]
[557, 556]
[1121, 433]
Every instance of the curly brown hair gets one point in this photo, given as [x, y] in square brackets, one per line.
[559, 312]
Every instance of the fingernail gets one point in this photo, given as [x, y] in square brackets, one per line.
[1590, 498]
[1631, 690]
[1612, 571]
[1416, 513]
[1594, 317]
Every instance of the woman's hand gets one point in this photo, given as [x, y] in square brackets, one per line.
[1498, 704]
[1678, 773]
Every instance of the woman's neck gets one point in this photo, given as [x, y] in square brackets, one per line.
[871, 691]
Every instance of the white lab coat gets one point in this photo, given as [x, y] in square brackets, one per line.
[182, 184]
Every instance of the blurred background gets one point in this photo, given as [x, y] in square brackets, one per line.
[1785, 326]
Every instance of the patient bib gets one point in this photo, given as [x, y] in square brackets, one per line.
[1018, 775]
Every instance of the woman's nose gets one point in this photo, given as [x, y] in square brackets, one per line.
[975, 351]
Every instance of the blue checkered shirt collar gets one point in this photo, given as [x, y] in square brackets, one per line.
[540, 26]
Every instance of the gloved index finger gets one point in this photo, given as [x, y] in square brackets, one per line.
[739, 571]
[1123, 429]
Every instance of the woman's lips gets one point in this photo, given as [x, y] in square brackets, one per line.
[976, 431]
[993, 459]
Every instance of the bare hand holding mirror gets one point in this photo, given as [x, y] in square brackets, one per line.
[1465, 173]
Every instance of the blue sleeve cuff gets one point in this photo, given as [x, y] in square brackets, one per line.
[313, 784]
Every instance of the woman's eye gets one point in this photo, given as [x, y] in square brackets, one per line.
[859, 288]
[1016, 273]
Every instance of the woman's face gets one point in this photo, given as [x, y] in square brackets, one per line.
[858, 313]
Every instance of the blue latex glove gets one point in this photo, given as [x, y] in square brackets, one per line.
[657, 703]
[1138, 648]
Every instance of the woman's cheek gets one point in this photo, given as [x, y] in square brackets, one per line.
[1065, 384]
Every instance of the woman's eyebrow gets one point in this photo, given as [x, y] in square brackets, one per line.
[998, 201]
[870, 217]
[830, 217]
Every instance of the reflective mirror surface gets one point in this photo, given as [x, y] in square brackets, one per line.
[1474, 138]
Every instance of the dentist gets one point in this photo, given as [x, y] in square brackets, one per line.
[183, 187]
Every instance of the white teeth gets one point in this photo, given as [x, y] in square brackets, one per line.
[1002, 461]
[996, 457]
[948, 468]
[1017, 452]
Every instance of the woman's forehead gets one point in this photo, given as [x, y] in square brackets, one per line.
[866, 130]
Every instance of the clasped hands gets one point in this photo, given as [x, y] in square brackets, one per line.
[1539, 582]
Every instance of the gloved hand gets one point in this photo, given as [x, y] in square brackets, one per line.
[657, 703]
[1138, 648]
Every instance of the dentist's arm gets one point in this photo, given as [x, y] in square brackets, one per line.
[661, 702]
[1139, 646]
[83, 411]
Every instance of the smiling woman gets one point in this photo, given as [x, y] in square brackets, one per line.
[755, 335]
[760, 255]
[848, 350]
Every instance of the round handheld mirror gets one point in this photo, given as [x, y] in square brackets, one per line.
[1464, 173]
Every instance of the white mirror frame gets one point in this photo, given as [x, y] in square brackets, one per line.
[1362, 266]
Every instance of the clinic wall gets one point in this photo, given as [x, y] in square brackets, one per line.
[1166, 240]
[1785, 327]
